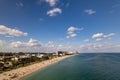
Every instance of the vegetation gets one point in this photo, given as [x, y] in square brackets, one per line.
[9, 61]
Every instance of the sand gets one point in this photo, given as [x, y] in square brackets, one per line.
[19, 73]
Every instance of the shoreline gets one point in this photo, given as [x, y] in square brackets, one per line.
[20, 73]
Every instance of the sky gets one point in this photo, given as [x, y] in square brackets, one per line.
[53, 25]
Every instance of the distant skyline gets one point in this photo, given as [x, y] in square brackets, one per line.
[52, 25]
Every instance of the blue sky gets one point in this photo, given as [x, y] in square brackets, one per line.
[51, 25]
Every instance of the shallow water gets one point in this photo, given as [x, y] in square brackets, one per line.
[101, 66]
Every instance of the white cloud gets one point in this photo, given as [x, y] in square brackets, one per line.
[86, 40]
[73, 35]
[50, 44]
[67, 36]
[3, 46]
[30, 44]
[98, 36]
[90, 11]
[51, 2]
[71, 31]
[2, 42]
[54, 12]
[101, 36]
[11, 32]
[109, 35]
[19, 4]
[104, 47]
[35, 46]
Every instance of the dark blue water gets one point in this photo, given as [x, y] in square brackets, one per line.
[102, 66]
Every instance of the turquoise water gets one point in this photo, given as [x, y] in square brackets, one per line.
[102, 66]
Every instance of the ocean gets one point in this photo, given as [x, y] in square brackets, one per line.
[87, 66]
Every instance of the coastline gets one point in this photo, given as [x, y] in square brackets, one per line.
[18, 74]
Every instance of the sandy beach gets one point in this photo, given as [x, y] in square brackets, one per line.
[19, 73]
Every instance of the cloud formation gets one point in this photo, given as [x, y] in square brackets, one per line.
[51, 2]
[54, 12]
[104, 47]
[19, 4]
[2, 43]
[30, 44]
[90, 11]
[71, 31]
[101, 36]
[11, 32]
[86, 40]
[35, 46]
